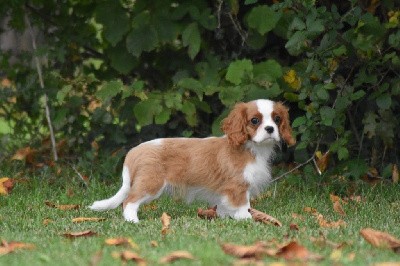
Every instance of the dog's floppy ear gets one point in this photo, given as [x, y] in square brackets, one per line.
[234, 126]
[284, 125]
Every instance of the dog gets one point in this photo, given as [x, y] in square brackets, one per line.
[225, 171]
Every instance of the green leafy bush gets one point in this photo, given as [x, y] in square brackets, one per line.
[120, 72]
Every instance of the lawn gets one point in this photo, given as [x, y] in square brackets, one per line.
[23, 212]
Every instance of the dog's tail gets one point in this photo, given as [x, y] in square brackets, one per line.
[117, 199]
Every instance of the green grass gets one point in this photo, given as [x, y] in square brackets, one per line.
[23, 211]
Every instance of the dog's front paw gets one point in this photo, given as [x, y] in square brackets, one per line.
[242, 214]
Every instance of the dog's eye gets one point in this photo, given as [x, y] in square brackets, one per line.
[277, 119]
[255, 121]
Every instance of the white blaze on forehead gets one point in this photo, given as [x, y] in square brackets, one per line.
[266, 107]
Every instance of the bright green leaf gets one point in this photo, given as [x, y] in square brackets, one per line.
[231, 95]
[115, 20]
[146, 110]
[191, 38]
[327, 115]
[237, 70]
[263, 19]
[109, 89]
[270, 67]
[140, 39]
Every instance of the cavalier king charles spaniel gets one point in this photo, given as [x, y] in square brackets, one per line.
[224, 171]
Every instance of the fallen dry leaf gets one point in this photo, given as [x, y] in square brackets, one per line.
[254, 251]
[329, 224]
[62, 207]
[177, 255]
[153, 243]
[121, 241]
[151, 206]
[297, 216]
[294, 227]
[6, 185]
[395, 174]
[310, 210]
[372, 176]
[354, 198]
[380, 239]
[259, 216]
[210, 213]
[26, 154]
[322, 221]
[47, 221]
[127, 255]
[322, 160]
[295, 251]
[87, 219]
[165, 220]
[337, 207]
[79, 234]
[8, 247]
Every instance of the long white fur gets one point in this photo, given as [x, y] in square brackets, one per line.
[117, 199]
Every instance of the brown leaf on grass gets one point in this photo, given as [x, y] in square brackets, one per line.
[210, 213]
[62, 207]
[380, 239]
[395, 174]
[337, 207]
[121, 241]
[6, 185]
[26, 154]
[153, 243]
[87, 219]
[372, 176]
[254, 251]
[165, 220]
[310, 210]
[297, 216]
[322, 221]
[177, 255]
[354, 198]
[127, 255]
[85, 233]
[322, 160]
[47, 221]
[259, 216]
[8, 247]
[329, 224]
[294, 227]
[295, 251]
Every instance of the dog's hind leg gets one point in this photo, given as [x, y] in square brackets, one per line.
[138, 197]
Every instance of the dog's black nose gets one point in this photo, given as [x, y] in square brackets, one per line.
[269, 129]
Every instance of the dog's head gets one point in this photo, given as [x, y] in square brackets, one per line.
[260, 121]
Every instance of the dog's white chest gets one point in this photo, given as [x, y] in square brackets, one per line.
[257, 173]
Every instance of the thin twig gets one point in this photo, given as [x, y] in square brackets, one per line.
[298, 166]
[39, 71]
[80, 175]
